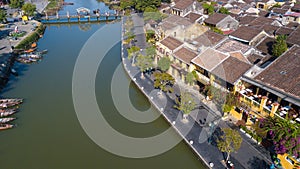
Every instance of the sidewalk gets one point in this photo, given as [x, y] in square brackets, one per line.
[247, 156]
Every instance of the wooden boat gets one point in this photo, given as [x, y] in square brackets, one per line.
[31, 55]
[8, 113]
[6, 126]
[26, 60]
[7, 119]
[68, 3]
[33, 45]
[18, 101]
[7, 105]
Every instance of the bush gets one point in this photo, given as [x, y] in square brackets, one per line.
[33, 37]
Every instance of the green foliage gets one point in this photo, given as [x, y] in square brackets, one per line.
[216, 30]
[209, 8]
[280, 46]
[144, 62]
[277, 5]
[25, 43]
[164, 81]
[164, 64]
[127, 4]
[190, 78]
[153, 13]
[150, 36]
[224, 10]
[230, 141]
[140, 5]
[133, 50]
[2, 15]
[29, 9]
[151, 51]
[186, 103]
[16, 3]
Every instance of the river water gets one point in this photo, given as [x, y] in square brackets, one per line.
[48, 133]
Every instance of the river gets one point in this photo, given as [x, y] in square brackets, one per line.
[48, 133]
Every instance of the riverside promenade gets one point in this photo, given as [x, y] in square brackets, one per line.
[193, 132]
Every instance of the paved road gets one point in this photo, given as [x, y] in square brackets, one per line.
[250, 155]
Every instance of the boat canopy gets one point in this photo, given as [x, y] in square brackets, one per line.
[83, 9]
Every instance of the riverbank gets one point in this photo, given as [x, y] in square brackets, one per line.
[169, 113]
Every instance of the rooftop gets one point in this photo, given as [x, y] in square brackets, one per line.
[245, 33]
[209, 59]
[227, 73]
[284, 73]
[209, 38]
[183, 4]
[261, 20]
[230, 45]
[193, 16]
[266, 46]
[246, 19]
[171, 43]
[174, 20]
[215, 18]
[185, 54]
[294, 37]
[284, 31]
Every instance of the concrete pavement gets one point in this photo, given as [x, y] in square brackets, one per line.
[248, 156]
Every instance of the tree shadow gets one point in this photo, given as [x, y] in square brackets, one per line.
[257, 163]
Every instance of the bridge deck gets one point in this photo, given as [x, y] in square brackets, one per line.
[78, 18]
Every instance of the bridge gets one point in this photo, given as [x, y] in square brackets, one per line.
[82, 15]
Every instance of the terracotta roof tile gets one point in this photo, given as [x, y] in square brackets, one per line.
[293, 38]
[246, 19]
[193, 16]
[215, 18]
[184, 54]
[183, 4]
[265, 46]
[260, 21]
[284, 31]
[284, 73]
[245, 33]
[209, 38]
[171, 43]
[209, 59]
[226, 71]
[232, 45]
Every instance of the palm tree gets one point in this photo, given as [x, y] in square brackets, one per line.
[229, 142]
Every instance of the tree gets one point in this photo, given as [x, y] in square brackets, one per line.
[2, 15]
[132, 52]
[280, 46]
[16, 3]
[124, 4]
[230, 141]
[144, 63]
[142, 5]
[185, 104]
[224, 10]
[284, 134]
[153, 13]
[164, 81]
[164, 64]
[29, 9]
[209, 8]
[231, 101]
[190, 77]
[151, 51]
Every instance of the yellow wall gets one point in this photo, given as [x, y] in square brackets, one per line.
[286, 164]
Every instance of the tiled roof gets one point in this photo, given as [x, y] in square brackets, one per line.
[209, 59]
[171, 43]
[266, 46]
[270, 29]
[215, 18]
[296, 7]
[183, 4]
[193, 16]
[226, 71]
[245, 33]
[209, 38]
[239, 56]
[246, 19]
[230, 45]
[174, 20]
[284, 73]
[184, 54]
[293, 38]
[279, 11]
[284, 31]
[260, 21]
[292, 25]
[254, 58]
